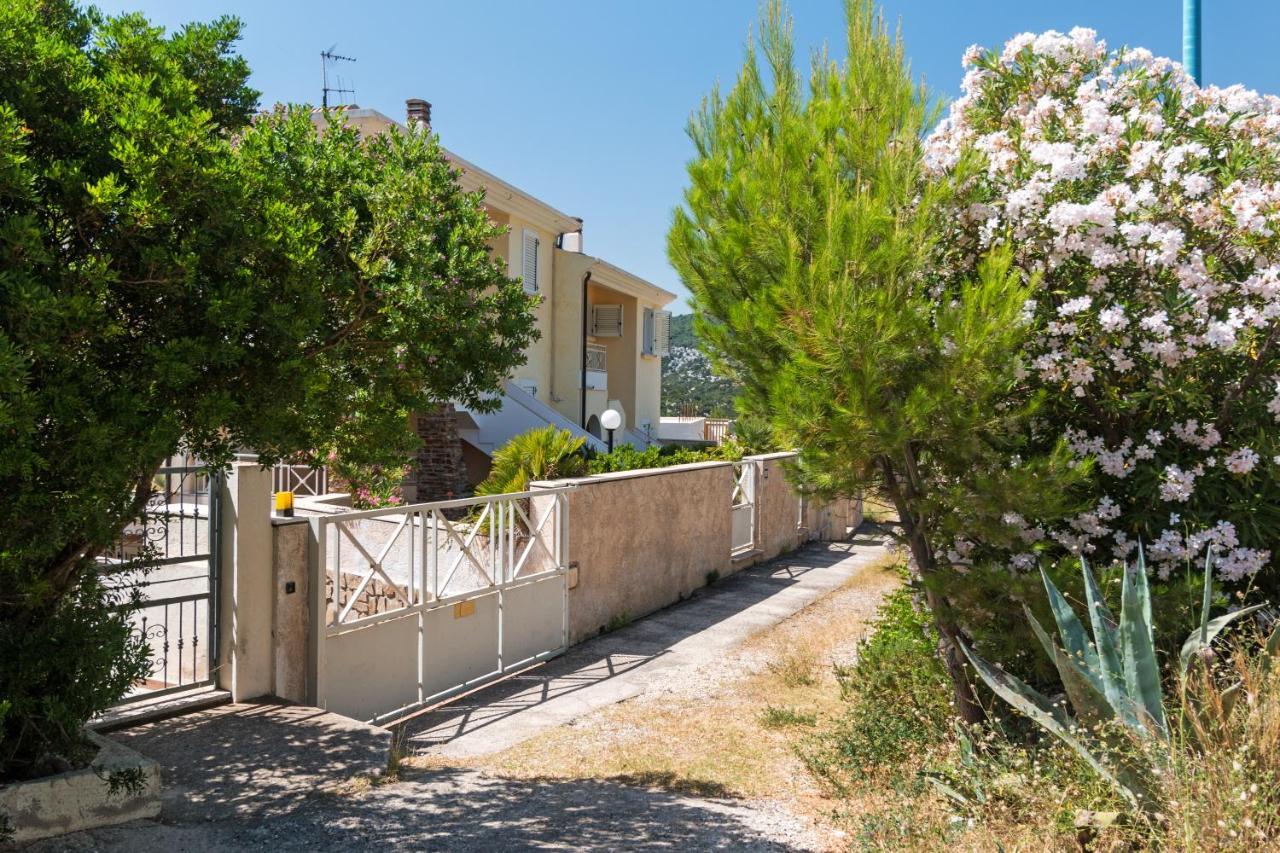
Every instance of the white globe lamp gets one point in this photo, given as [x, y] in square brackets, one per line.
[610, 419]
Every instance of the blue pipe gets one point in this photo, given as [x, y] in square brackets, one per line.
[1191, 38]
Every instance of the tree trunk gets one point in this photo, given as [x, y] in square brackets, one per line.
[968, 707]
[64, 571]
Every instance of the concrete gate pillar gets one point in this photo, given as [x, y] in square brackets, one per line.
[245, 643]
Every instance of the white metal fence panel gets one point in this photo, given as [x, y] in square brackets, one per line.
[745, 478]
[300, 479]
[422, 602]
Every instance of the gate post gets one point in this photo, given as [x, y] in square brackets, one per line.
[246, 600]
[317, 616]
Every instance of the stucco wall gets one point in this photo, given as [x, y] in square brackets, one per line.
[682, 429]
[245, 643]
[648, 384]
[537, 366]
[644, 540]
[569, 268]
[623, 352]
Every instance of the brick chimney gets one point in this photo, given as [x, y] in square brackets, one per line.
[417, 113]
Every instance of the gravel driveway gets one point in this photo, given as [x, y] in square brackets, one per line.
[278, 777]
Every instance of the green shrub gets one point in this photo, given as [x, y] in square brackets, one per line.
[897, 696]
[539, 454]
[184, 272]
[776, 717]
[1111, 676]
[60, 668]
[627, 458]
[372, 486]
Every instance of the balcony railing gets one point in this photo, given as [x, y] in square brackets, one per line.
[597, 357]
[597, 376]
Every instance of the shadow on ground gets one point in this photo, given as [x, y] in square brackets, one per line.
[612, 656]
[257, 760]
[460, 810]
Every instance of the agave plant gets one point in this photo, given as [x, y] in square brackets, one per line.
[1112, 679]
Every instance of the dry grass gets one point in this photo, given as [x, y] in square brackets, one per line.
[1224, 789]
[1220, 791]
[729, 735]
[750, 730]
[878, 509]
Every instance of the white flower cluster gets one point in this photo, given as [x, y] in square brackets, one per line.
[1149, 208]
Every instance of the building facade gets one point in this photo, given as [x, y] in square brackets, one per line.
[603, 333]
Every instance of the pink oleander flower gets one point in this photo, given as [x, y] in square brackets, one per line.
[1242, 461]
[1148, 210]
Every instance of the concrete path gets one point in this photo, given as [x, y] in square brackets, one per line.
[269, 777]
[648, 655]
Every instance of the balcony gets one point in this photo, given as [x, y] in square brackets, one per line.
[597, 374]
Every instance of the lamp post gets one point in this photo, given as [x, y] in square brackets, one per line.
[610, 420]
[1191, 38]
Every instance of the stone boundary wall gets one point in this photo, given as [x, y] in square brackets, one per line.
[643, 540]
[378, 596]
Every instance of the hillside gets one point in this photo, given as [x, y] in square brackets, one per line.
[687, 379]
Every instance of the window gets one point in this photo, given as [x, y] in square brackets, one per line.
[657, 333]
[662, 333]
[606, 321]
[529, 266]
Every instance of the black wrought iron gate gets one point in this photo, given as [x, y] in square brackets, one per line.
[176, 538]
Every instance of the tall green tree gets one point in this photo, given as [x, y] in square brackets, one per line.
[806, 238]
[176, 272]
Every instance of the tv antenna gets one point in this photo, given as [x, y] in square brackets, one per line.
[327, 56]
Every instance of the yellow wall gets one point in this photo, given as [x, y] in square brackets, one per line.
[648, 380]
[570, 267]
[622, 351]
[537, 366]
[553, 363]
[635, 380]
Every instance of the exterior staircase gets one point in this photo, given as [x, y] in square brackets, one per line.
[519, 412]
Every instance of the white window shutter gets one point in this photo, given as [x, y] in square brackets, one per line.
[662, 333]
[606, 321]
[649, 339]
[529, 266]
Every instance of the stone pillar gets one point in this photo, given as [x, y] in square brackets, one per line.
[292, 624]
[245, 643]
[439, 472]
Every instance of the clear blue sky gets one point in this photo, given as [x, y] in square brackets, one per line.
[584, 104]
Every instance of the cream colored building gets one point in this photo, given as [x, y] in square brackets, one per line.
[603, 331]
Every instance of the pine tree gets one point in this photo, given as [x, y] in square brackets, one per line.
[807, 238]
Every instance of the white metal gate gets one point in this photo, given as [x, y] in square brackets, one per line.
[746, 475]
[422, 602]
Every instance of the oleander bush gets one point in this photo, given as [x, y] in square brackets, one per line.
[1145, 209]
